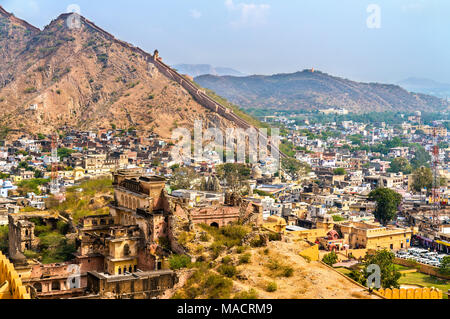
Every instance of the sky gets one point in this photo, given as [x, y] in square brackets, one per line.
[372, 41]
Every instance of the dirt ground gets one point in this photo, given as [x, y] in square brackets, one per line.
[310, 280]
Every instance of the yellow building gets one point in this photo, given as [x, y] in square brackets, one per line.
[123, 252]
[278, 224]
[374, 236]
[428, 130]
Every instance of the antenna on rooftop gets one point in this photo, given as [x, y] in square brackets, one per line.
[54, 185]
[436, 180]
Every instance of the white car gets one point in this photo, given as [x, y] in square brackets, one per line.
[435, 264]
[422, 260]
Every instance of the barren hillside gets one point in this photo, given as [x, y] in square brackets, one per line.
[312, 90]
[85, 78]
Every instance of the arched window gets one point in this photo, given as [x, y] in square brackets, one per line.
[130, 269]
[215, 225]
[119, 271]
[126, 250]
[135, 268]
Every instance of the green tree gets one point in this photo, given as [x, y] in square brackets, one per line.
[422, 178]
[421, 157]
[179, 261]
[385, 260]
[38, 174]
[445, 266]
[294, 167]
[400, 164]
[182, 178]
[330, 258]
[4, 239]
[340, 171]
[235, 174]
[64, 152]
[387, 202]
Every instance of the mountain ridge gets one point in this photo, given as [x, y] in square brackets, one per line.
[311, 89]
[426, 86]
[87, 78]
[195, 70]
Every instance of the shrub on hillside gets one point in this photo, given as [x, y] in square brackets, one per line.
[245, 258]
[271, 287]
[227, 270]
[330, 258]
[179, 261]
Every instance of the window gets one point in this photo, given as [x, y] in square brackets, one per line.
[38, 287]
[119, 271]
[56, 285]
[126, 250]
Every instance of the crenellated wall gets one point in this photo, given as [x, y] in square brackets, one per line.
[200, 96]
[417, 293]
[11, 286]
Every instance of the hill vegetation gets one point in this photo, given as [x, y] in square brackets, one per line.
[309, 90]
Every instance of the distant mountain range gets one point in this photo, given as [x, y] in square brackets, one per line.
[426, 86]
[203, 69]
[311, 89]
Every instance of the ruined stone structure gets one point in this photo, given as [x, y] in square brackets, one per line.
[235, 210]
[140, 285]
[21, 235]
[128, 239]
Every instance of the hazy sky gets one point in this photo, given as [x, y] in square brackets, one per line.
[407, 38]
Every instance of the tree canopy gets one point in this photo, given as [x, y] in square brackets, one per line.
[340, 171]
[294, 167]
[235, 174]
[400, 164]
[422, 178]
[387, 202]
[182, 178]
[389, 275]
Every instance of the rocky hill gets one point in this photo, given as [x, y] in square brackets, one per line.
[86, 78]
[311, 89]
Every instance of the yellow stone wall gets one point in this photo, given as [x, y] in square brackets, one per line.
[113, 266]
[11, 286]
[312, 253]
[411, 293]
